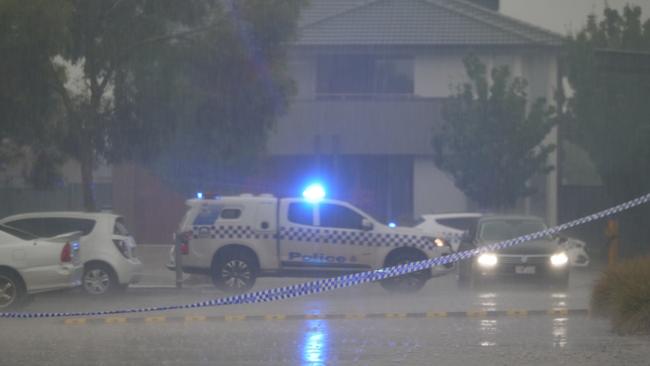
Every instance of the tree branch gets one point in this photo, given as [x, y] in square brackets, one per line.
[60, 89]
[161, 38]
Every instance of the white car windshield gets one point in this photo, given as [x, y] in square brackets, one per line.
[17, 233]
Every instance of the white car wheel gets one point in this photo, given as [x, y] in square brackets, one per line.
[98, 280]
[11, 292]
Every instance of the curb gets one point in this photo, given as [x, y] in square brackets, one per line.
[512, 313]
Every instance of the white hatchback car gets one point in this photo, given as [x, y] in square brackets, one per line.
[450, 226]
[108, 250]
[29, 264]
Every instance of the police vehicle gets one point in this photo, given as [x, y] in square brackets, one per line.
[240, 238]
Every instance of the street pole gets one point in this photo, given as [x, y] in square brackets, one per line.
[178, 261]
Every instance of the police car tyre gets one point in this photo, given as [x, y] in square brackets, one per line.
[12, 291]
[408, 283]
[99, 279]
[234, 271]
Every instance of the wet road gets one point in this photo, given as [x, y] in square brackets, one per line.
[440, 294]
[535, 340]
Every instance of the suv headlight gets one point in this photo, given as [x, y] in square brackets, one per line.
[487, 260]
[559, 259]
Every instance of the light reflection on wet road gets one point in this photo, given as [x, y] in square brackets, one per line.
[440, 294]
[314, 348]
[543, 340]
[560, 332]
[539, 340]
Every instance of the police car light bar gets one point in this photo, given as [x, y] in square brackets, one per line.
[314, 193]
[206, 196]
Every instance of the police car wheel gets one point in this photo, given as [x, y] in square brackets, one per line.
[408, 283]
[234, 272]
[12, 292]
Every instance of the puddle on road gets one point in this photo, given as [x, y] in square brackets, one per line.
[559, 300]
[560, 332]
[315, 343]
[488, 329]
[487, 301]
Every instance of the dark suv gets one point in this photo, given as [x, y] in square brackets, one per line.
[540, 259]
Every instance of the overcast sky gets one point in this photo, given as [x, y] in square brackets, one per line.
[564, 15]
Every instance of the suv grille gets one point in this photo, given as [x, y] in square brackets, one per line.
[524, 259]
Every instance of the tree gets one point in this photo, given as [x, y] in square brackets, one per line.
[31, 33]
[243, 91]
[131, 73]
[490, 140]
[609, 109]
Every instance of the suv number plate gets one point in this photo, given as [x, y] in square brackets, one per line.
[525, 269]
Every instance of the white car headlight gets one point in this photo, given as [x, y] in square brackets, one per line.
[487, 260]
[559, 259]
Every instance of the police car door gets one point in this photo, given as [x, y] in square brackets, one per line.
[298, 234]
[343, 242]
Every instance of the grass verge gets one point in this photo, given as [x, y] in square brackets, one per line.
[622, 294]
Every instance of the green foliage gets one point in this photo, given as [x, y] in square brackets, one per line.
[239, 83]
[608, 113]
[610, 109]
[134, 79]
[31, 32]
[622, 293]
[490, 139]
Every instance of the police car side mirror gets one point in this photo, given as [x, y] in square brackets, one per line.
[367, 225]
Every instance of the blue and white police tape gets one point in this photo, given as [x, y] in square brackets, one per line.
[329, 284]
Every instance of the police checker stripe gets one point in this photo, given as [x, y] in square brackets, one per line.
[356, 237]
[316, 235]
[227, 232]
[329, 284]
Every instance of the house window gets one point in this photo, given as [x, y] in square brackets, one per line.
[364, 75]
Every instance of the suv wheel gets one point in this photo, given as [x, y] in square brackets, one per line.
[12, 292]
[407, 283]
[234, 272]
[99, 279]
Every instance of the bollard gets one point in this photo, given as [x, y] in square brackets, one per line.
[178, 260]
[613, 241]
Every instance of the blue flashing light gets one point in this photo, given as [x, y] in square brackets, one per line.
[199, 195]
[314, 193]
[392, 225]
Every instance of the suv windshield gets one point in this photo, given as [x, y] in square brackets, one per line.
[499, 230]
